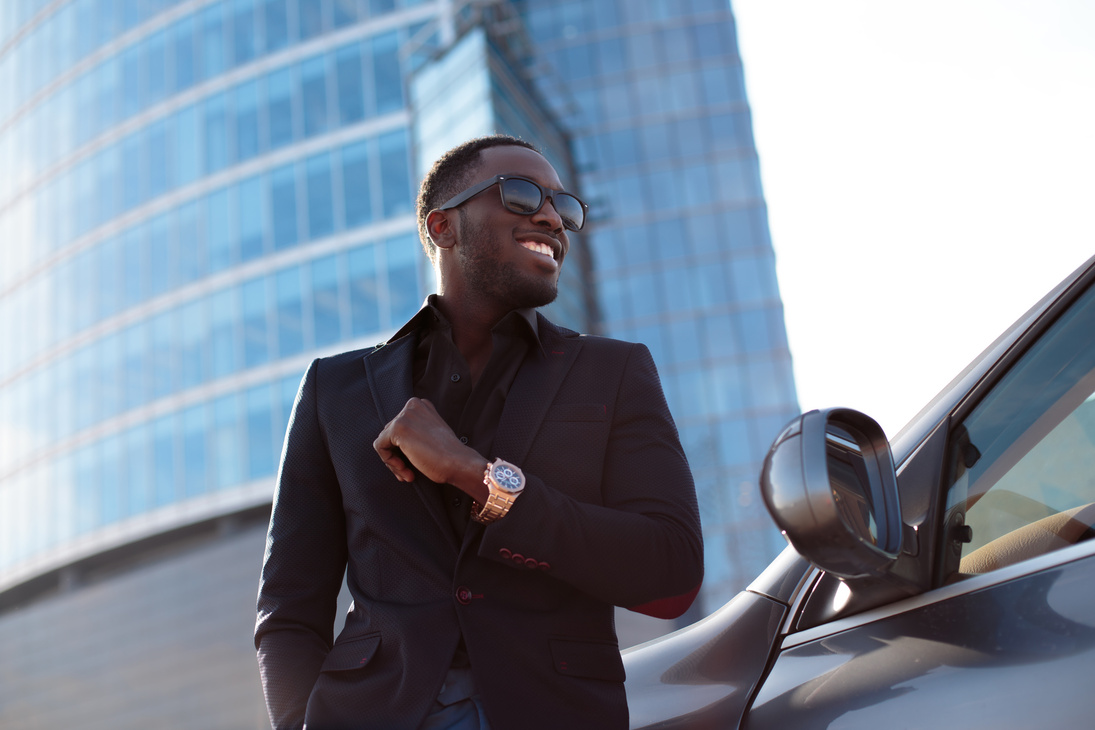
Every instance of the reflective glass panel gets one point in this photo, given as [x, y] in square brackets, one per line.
[261, 459]
[222, 314]
[212, 41]
[252, 218]
[256, 345]
[218, 234]
[290, 312]
[279, 96]
[195, 428]
[387, 79]
[246, 103]
[215, 133]
[403, 255]
[226, 442]
[356, 185]
[326, 328]
[243, 31]
[321, 215]
[163, 460]
[348, 79]
[313, 80]
[395, 173]
[364, 297]
[275, 16]
[283, 206]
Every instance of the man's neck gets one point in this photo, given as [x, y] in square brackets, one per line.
[471, 332]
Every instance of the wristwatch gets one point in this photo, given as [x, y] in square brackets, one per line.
[505, 482]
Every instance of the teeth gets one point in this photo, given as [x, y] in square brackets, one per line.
[540, 248]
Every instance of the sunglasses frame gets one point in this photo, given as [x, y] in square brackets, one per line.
[546, 194]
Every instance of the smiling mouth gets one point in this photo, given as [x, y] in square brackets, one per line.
[541, 248]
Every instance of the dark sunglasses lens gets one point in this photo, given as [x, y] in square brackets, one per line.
[570, 210]
[521, 196]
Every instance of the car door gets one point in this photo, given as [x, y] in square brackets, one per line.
[1006, 638]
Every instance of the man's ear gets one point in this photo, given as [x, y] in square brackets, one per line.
[441, 228]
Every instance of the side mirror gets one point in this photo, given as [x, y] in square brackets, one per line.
[829, 483]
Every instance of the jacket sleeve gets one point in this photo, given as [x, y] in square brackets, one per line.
[303, 566]
[641, 547]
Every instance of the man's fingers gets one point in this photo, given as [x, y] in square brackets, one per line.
[395, 461]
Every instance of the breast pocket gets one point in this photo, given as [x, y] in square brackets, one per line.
[578, 412]
[568, 452]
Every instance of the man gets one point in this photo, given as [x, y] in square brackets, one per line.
[490, 484]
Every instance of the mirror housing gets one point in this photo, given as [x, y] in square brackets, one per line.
[830, 485]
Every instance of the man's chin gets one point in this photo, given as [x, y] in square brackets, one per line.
[531, 292]
[546, 297]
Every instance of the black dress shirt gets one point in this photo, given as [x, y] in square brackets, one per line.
[471, 409]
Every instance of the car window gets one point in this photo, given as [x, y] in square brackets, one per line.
[1022, 464]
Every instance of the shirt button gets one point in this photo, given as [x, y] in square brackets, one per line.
[455, 377]
[463, 439]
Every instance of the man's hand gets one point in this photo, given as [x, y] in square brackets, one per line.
[419, 437]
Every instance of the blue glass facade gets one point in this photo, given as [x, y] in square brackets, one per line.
[202, 195]
[199, 197]
[653, 97]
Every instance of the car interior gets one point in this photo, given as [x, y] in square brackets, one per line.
[1024, 455]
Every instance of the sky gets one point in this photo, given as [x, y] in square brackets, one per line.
[929, 169]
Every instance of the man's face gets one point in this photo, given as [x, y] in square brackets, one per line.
[512, 259]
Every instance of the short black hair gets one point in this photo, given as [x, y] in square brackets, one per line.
[451, 174]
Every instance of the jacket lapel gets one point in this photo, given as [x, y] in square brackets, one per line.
[388, 369]
[533, 392]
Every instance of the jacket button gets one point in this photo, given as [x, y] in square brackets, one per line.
[518, 558]
[532, 563]
[463, 595]
[544, 566]
[505, 553]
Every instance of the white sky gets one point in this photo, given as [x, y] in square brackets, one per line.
[930, 172]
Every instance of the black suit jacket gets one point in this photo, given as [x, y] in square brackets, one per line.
[608, 517]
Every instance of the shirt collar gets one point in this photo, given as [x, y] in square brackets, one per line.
[519, 322]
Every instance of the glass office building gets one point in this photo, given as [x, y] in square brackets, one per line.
[198, 197]
[653, 97]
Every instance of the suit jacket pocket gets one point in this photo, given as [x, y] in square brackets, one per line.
[588, 659]
[572, 412]
[352, 654]
[578, 432]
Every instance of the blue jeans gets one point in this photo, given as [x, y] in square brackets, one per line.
[458, 705]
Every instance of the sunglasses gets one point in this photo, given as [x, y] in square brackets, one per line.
[524, 197]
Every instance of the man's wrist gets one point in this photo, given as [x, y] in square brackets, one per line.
[504, 482]
[470, 478]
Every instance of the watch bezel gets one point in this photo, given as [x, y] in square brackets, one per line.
[502, 481]
[500, 498]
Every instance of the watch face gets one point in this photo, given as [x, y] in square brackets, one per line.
[507, 478]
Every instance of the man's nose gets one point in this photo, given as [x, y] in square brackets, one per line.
[547, 215]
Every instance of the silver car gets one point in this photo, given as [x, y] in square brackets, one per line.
[943, 579]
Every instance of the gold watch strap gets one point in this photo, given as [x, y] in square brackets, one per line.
[497, 504]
